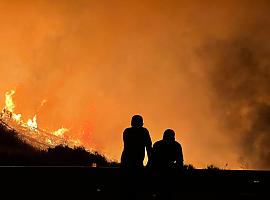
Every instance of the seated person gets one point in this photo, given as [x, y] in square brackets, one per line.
[167, 153]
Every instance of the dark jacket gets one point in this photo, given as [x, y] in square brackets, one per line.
[136, 139]
[167, 154]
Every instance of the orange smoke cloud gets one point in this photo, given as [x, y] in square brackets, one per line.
[98, 63]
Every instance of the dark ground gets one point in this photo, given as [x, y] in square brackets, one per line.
[106, 182]
[112, 183]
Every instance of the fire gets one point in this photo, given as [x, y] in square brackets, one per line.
[29, 130]
[32, 123]
[49, 141]
[9, 101]
[9, 106]
[16, 117]
[60, 132]
[76, 142]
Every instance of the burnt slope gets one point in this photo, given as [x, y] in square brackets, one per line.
[15, 152]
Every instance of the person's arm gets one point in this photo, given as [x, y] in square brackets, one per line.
[179, 156]
[123, 155]
[125, 137]
[148, 145]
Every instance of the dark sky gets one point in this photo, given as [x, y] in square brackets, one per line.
[201, 68]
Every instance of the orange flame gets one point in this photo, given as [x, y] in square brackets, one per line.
[32, 123]
[60, 132]
[9, 101]
[9, 117]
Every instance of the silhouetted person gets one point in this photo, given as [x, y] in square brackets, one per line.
[136, 139]
[167, 153]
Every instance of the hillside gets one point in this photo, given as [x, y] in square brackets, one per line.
[107, 181]
[14, 151]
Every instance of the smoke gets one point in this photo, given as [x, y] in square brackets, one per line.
[200, 68]
[239, 78]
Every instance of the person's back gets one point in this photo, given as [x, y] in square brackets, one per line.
[167, 153]
[136, 139]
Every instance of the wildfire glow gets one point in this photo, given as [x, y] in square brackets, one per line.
[76, 142]
[43, 102]
[49, 141]
[16, 117]
[9, 101]
[60, 131]
[36, 136]
[32, 123]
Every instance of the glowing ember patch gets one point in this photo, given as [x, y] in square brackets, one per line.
[29, 130]
[49, 141]
[32, 123]
[9, 101]
[60, 131]
[16, 117]
[75, 142]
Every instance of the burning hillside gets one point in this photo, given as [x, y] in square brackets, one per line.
[29, 131]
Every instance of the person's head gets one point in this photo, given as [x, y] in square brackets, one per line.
[137, 121]
[169, 135]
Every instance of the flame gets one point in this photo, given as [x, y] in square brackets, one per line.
[16, 117]
[42, 138]
[9, 101]
[76, 142]
[60, 132]
[32, 123]
[49, 141]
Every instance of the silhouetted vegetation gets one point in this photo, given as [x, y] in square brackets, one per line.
[188, 167]
[78, 156]
[15, 152]
[212, 167]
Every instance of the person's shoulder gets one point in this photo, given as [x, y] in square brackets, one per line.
[127, 130]
[177, 144]
[145, 130]
[158, 143]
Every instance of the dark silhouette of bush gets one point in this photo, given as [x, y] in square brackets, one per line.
[188, 167]
[15, 152]
[78, 156]
[212, 167]
[113, 164]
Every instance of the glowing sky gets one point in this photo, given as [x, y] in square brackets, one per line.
[198, 67]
